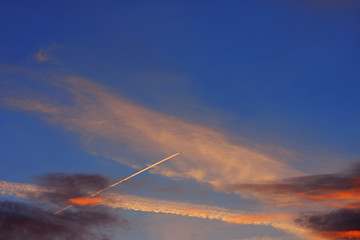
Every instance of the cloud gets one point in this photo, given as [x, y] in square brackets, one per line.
[182, 228]
[24, 221]
[337, 194]
[70, 186]
[111, 126]
[41, 56]
[335, 190]
[262, 238]
[338, 224]
[86, 201]
[146, 204]
[44, 53]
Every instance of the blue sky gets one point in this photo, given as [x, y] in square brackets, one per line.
[110, 87]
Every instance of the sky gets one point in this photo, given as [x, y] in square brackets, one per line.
[260, 97]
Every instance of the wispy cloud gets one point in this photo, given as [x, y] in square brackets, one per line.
[110, 125]
[44, 54]
[336, 190]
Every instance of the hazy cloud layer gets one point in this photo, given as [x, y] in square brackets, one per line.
[110, 125]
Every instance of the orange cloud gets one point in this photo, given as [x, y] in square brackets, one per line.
[333, 194]
[348, 197]
[87, 201]
[259, 218]
[354, 235]
[332, 190]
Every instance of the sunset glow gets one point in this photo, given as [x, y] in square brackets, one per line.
[180, 120]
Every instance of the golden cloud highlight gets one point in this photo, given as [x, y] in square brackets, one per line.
[87, 201]
[340, 235]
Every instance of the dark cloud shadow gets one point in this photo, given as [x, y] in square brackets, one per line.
[19, 221]
[67, 186]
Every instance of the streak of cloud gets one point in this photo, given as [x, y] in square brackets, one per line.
[146, 204]
[108, 123]
[334, 190]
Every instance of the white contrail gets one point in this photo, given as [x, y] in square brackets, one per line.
[123, 180]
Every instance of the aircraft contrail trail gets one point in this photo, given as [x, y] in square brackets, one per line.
[123, 180]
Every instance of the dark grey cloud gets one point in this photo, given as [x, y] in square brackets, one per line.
[19, 221]
[338, 190]
[27, 221]
[305, 186]
[341, 224]
[66, 186]
[334, 221]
